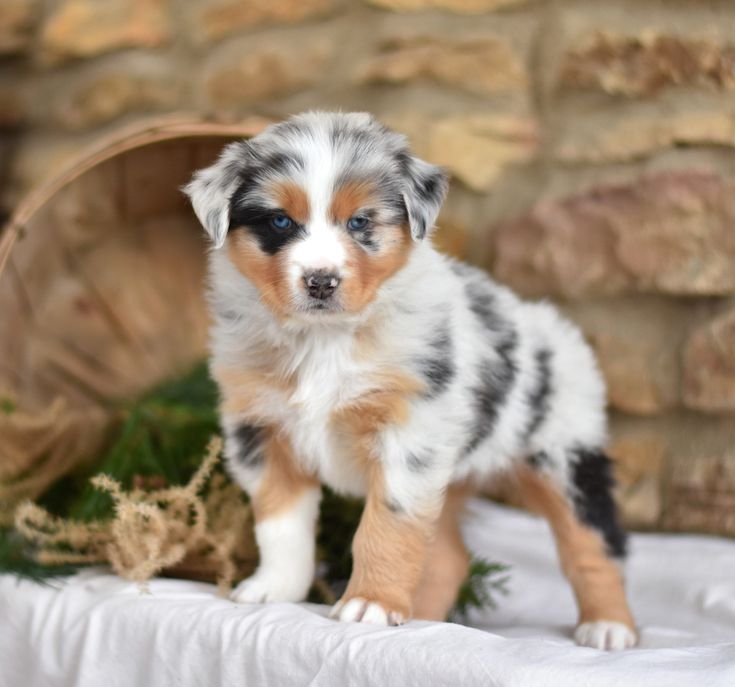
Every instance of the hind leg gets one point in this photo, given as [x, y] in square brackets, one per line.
[589, 539]
[447, 562]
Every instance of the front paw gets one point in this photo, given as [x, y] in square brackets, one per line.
[261, 588]
[605, 634]
[360, 610]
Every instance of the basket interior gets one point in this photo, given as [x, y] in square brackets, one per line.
[101, 298]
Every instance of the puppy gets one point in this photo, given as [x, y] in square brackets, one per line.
[349, 352]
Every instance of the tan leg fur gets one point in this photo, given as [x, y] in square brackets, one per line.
[447, 563]
[595, 578]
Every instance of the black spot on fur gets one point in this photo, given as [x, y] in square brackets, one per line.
[538, 460]
[592, 484]
[249, 445]
[419, 461]
[429, 186]
[393, 506]
[482, 303]
[365, 237]
[276, 162]
[538, 398]
[247, 211]
[439, 369]
[496, 377]
[257, 219]
[495, 382]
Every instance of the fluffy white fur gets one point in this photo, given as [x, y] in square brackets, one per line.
[286, 544]
[546, 399]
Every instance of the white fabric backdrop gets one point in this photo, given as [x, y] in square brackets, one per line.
[95, 630]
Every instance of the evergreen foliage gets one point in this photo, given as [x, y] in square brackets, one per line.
[160, 442]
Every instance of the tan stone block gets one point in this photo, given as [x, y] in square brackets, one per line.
[477, 148]
[84, 28]
[38, 160]
[626, 368]
[17, 21]
[219, 18]
[632, 136]
[13, 106]
[644, 63]
[639, 459]
[458, 6]
[451, 237]
[104, 97]
[669, 232]
[701, 494]
[638, 455]
[265, 71]
[709, 365]
[637, 344]
[482, 65]
[641, 503]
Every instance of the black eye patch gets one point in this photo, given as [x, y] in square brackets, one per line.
[257, 220]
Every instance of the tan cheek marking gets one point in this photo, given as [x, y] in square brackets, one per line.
[283, 480]
[389, 551]
[268, 273]
[595, 578]
[348, 199]
[293, 200]
[368, 271]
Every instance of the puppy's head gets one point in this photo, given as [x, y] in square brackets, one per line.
[318, 211]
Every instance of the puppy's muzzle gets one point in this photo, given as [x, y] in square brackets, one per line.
[321, 284]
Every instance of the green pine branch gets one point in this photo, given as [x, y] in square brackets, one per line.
[163, 437]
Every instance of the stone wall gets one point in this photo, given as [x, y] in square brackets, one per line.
[592, 146]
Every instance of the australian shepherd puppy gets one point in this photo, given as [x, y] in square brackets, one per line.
[349, 352]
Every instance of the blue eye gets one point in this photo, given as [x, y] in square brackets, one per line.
[358, 222]
[281, 222]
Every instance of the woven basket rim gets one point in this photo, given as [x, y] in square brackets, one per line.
[127, 138]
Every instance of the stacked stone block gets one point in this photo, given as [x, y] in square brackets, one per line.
[591, 144]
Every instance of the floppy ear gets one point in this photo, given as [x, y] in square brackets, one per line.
[425, 189]
[211, 189]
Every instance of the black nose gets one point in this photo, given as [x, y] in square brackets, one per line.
[321, 284]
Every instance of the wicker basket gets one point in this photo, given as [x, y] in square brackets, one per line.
[100, 295]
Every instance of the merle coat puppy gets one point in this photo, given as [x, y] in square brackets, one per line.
[349, 352]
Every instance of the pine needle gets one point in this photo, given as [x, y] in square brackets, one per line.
[140, 510]
[484, 583]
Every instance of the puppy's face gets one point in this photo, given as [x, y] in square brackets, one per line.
[318, 211]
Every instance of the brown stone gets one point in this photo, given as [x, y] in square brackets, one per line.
[220, 18]
[632, 136]
[701, 494]
[458, 6]
[643, 64]
[107, 96]
[709, 365]
[482, 65]
[13, 106]
[37, 160]
[477, 148]
[474, 148]
[17, 21]
[669, 232]
[84, 28]
[451, 237]
[637, 343]
[630, 387]
[266, 72]
[639, 456]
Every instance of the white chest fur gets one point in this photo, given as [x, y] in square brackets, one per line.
[324, 376]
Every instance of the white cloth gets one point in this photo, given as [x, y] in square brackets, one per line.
[95, 630]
